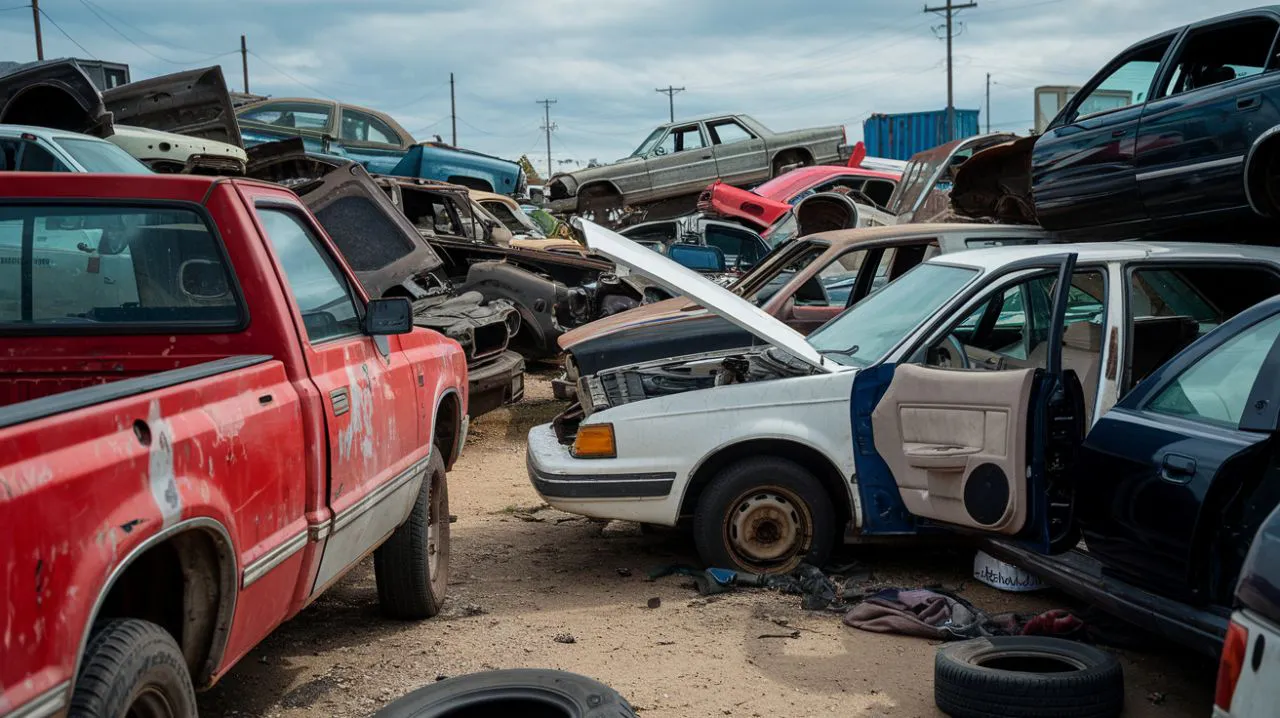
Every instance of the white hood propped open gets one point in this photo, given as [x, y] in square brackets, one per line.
[681, 280]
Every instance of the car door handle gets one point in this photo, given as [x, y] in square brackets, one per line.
[1177, 468]
[706, 157]
[1118, 133]
[1248, 102]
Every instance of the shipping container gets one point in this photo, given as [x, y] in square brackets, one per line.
[902, 135]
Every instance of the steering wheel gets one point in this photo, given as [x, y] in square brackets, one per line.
[949, 354]
[659, 151]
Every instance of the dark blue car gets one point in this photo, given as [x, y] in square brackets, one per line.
[1172, 485]
[1183, 126]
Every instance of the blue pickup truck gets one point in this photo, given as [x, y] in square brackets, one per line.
[374, 140]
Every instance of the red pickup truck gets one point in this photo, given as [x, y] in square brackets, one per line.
[204, 423]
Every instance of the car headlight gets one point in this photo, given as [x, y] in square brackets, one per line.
[595, 441]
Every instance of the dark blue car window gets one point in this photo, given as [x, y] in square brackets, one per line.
[1216, 388]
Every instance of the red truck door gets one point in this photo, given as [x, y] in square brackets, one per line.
[368, 387]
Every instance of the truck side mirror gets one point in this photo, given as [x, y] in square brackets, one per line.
[393, 315]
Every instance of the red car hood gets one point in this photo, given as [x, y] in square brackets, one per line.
[729, 201]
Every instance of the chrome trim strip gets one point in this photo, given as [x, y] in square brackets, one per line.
[46, 704]
[320, 531]
[1207, 165]
[373, 498]
[276, 556]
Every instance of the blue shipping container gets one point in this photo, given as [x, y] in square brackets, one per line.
[900, 136]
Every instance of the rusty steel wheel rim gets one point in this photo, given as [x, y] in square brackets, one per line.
[151, 702]
[769, 529]
[437, 525]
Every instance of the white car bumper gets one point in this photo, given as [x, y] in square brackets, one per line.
[1257, 691]
[601, 488]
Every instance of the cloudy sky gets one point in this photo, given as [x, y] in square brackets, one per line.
[796, 64]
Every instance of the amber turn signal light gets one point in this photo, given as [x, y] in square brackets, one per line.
[595, 441]
[1233, 650]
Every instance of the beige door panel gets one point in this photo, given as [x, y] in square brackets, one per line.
[956, 442]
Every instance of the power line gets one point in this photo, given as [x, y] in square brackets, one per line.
[155, 39]
[15, 7]
[131, 41]
[64, 33]
[291, 77]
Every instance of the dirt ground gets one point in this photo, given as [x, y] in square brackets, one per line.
[521, 574]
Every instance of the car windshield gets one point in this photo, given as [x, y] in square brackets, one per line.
[649, 142]
[98, 156]
[782, 231]
[869, 329]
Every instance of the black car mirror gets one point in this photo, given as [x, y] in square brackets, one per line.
[393, 315]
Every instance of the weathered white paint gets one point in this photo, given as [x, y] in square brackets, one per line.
[160, 473]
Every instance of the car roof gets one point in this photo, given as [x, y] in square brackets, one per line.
[860, 235]
[46, 133]
[989, 258]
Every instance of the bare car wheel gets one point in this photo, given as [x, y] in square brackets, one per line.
[600, 205]
[764, 515]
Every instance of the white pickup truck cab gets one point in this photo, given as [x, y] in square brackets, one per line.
[950, 399]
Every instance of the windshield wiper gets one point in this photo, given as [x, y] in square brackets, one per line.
[850, 352]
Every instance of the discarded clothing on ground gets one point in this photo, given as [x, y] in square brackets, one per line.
[919, 612]
[940, 615]
[819, 590]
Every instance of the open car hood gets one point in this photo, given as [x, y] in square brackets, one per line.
[680, 280]
[379, 243]
[191, 102]
[56, 94]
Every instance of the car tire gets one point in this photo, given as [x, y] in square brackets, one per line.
[133, 667]
[518, 692]
[788, 161]
[765, 514]
[1027, 677]
[412, 567]
[601, 205]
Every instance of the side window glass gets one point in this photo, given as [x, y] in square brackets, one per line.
[1214, 55]
[688, 138]
[1011, 329]
[1127, 84]
[1216, 388]
[92, 267]
[37, 159]
[727, 132]
[319, 290]
[363, 127]
[293, 115]
[878, 191]
[834, 282]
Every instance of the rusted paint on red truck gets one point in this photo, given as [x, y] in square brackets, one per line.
[223, 476]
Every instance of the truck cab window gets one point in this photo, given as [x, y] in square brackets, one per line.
[321, 293]
[86, 268]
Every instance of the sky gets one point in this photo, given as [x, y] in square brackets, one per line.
[793, 64]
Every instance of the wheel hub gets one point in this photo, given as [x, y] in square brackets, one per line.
[765, 526]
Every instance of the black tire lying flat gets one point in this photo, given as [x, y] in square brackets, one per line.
[412, 567]
[1027, 677]
[529, 693]
[133, 668]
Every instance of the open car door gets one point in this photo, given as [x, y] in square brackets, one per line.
[958, 444]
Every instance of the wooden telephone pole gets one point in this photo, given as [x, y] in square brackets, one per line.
[949, 10]
[35, 16]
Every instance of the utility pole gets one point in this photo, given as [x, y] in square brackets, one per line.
[244, 63]
[670, 92]
[453, 110]
[988, 110]
[35, 15]
[948, 11]
[548, 127]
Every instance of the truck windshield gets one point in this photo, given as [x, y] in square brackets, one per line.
[99, 156]
[649, 142]
[869, 329]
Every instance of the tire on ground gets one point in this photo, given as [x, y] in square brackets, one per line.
[535, 693]
[131, 664]
[1027, 677]
[409, 587]
[756, 481]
